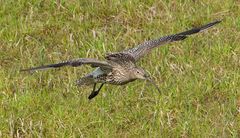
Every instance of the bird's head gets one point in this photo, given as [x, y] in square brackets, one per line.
[140, 73]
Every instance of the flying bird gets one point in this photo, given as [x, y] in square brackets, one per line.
[120, 68]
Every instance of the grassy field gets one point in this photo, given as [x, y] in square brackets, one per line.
[199, 77]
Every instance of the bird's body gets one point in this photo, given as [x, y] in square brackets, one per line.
[120, 68]
[119, 74]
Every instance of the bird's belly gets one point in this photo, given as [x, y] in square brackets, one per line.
[126, 81]
[116, 81]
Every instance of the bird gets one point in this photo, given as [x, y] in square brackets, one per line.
[120, 68]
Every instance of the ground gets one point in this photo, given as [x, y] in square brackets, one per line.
[199, 77]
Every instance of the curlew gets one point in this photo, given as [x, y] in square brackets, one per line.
[120, 68]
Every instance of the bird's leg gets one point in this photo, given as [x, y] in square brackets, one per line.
[95, 92]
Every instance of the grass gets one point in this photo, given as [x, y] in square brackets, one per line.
[199, 77]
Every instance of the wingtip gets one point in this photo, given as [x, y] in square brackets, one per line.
[209, 25]
[217, 21]
[26, 70]
[213, 23]
[29, 69]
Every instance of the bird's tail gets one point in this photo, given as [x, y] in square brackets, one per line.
[86, 80]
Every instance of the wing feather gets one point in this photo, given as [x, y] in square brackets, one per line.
[144, 48]
[73, 63]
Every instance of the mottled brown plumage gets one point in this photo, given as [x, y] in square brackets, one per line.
[120, 68]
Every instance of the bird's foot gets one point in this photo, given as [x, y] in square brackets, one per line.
[93, 94]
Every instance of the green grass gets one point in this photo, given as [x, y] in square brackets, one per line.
[199, 77]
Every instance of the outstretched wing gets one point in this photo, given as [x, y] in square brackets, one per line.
[144, 48]
[73, 63]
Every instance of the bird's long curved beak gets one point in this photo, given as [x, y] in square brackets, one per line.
[152, 82]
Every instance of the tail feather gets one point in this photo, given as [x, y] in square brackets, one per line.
[87, 80]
